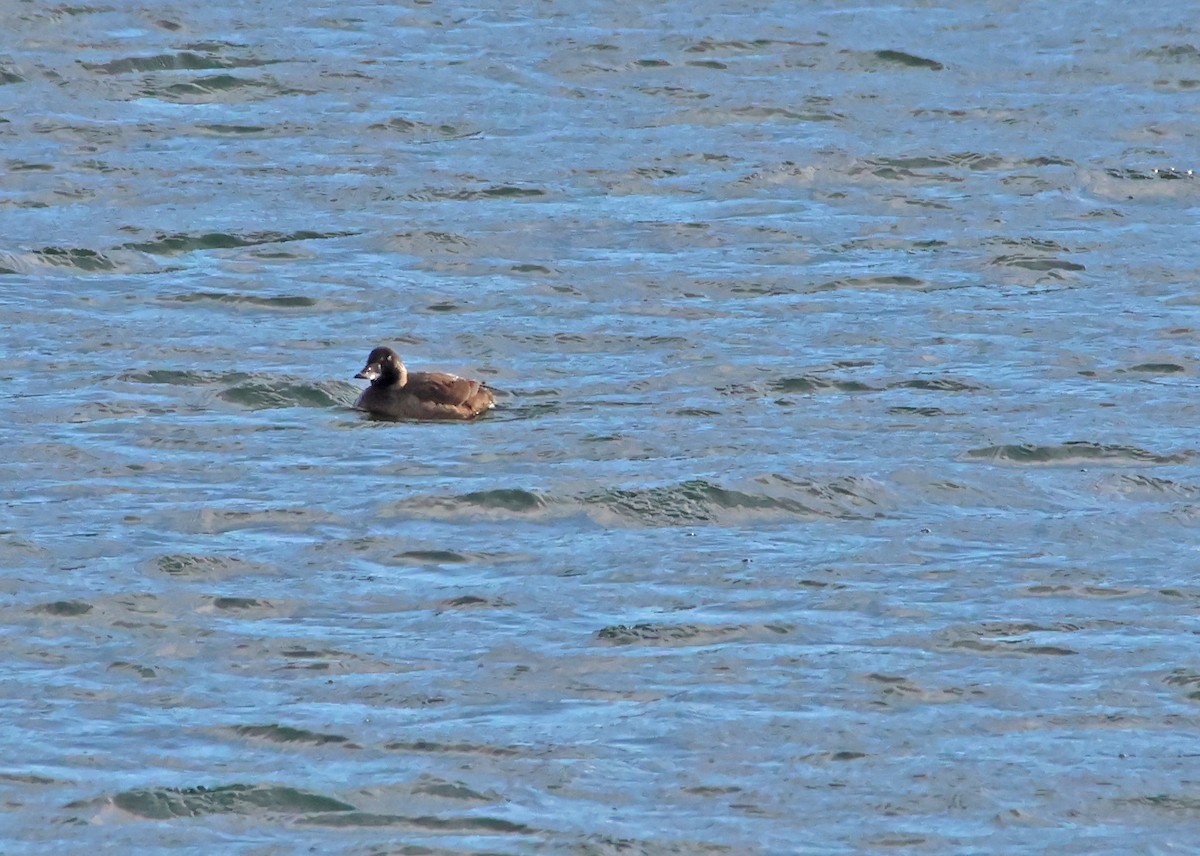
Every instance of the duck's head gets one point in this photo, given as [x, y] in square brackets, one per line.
[383, 368]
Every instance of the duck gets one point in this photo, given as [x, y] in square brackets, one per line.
[397, 393]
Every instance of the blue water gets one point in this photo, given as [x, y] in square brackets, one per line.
[842, 492]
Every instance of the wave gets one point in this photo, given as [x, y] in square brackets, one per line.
[1036, 263]
[276, 733]
[304, 806]
[165, 244]
[182, 377]
[906, 60]
[254, 391]
[207, 566]
[182, 61]
[1156, 368]
[167, 803]
[499, 191]
[283, 301]
[815, 383]
[1013, 638]
[131, 257]
[72, 259]
[63, 608]
[433, 747]
[1072, 453]
[680, 635]
[471, 825]
[217, 89]
[688, 503]
[1148, 487]
[423, 132]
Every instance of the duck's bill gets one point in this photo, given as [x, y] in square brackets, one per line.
[369, 373]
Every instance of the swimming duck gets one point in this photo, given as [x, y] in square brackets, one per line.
[398, 394]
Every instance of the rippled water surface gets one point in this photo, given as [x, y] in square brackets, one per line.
[843, 495]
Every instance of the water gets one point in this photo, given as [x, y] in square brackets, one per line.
[842, 497]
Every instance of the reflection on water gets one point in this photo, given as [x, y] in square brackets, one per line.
[842, 484]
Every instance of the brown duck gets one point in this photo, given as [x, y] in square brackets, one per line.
[398, 394]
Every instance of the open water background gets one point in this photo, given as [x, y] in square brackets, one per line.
[844, 495]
